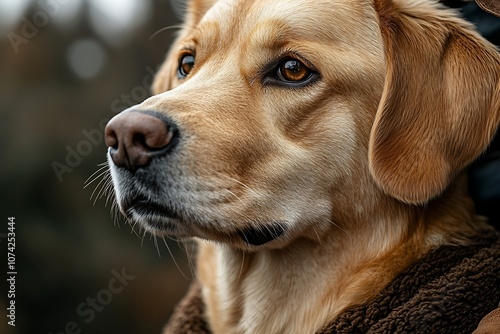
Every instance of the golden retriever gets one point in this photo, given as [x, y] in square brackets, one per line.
[319, 147]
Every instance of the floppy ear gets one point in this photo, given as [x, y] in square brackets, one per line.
[441, 101]
[196, 9]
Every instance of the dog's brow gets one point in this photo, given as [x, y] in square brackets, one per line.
[206, 34]
[301, 16]
[326, 21]
[277, 34]
[220, 12]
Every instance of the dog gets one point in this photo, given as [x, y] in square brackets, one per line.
[315, 150]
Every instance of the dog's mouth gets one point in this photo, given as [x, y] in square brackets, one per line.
[144, 207]
[164, 218]
[257, 236]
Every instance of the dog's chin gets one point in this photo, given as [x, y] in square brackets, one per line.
[163, 220]
[159, 225]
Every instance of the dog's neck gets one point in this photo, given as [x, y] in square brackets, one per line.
[248, 291]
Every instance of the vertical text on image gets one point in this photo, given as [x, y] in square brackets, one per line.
[11, 271]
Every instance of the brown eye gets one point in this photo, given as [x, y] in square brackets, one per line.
[186, 64]
[293, 70]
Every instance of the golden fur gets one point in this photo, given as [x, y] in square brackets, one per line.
[364, 166]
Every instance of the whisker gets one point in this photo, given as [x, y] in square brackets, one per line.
[229, 191]
[170, 238]
[97, 187]
[110, 191]
[242, 264]
[173, 258]
[244, 185]
[89, 181]
[338, 226]
[317, 235]
[142, 239]
[104, 186]
[190, 256]
[134, 231]
[235, 180]
[159, 31]
[156, 245]
[115, 213]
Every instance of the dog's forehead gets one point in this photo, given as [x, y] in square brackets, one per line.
[321, 19]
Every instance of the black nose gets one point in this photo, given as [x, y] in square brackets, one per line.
[135, 137]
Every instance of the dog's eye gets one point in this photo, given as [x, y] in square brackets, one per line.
[289, 72]
[293, 70]
[186, 64]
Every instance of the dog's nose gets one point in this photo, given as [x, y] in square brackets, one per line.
[135, 137]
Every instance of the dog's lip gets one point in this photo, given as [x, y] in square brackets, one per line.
[143, 206]
[260, 235]
[157, 215]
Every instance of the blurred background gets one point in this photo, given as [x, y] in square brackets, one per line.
[66, 67]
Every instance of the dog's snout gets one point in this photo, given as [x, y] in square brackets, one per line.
[135, 137]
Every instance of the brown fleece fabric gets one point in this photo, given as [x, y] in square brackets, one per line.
[448, 291]
[188, 317]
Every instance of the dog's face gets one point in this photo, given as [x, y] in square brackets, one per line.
[274, 114]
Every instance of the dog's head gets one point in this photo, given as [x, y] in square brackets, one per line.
[272, 120]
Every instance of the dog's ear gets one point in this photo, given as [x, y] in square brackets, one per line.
[196, 9]
[441, 101]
